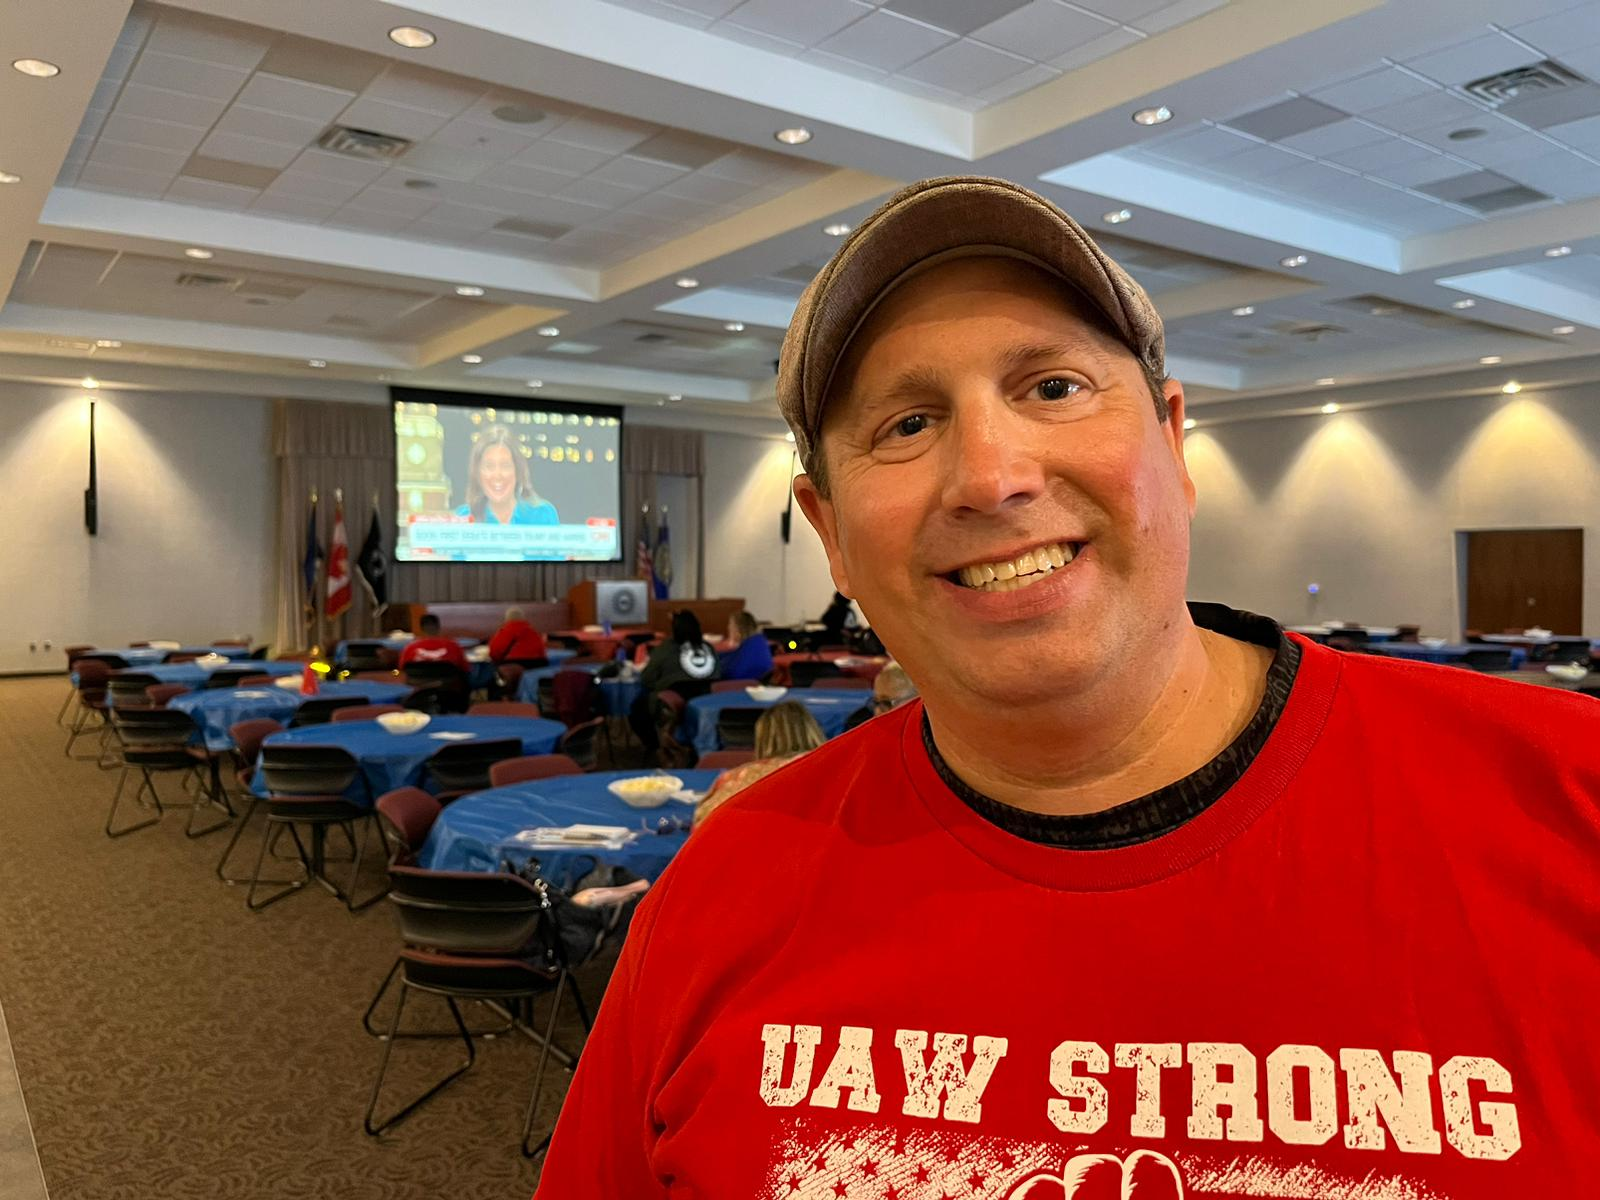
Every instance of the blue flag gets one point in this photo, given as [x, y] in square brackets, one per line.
[661, 563]
[308, 569]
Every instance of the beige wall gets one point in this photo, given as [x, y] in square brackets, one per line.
[1367, 504]
[185, 520]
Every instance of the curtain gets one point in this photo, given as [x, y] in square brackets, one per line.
[325, 447]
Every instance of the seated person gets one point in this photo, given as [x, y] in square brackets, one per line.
[891, 689]
[431, 648]
[784, 732]
[841, 615]
[750, 656]
[518, 642]
[684, 663]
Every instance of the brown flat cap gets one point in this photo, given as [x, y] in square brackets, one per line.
[933, 221]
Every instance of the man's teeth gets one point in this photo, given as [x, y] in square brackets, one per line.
[1020, 572]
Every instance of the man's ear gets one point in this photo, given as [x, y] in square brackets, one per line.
[820, 512]
[1173, 430]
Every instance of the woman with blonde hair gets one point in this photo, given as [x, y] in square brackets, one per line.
[783, 733]
[500, 484]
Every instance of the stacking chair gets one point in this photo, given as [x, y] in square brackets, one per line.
[441, 687]
[531, 766]
[508, 676]
[804, 673]
[246, 737]
[464, 767]
[229, 677]
[405, 818]
[547, 696]
[364, 656]
[721, 760]
[504, 708]
[733, 685]
[158, 740]
[666, 714]
[159, 693]
[581, 742]
[842, 683]
[73, 654]
[307, 786]
[736, 728]
[250, 681]
[364, 712]
[320, 710]
[1488, 659]
[93, 705]
[1567, 650]
[126, 689]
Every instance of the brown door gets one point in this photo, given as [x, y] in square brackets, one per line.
[1519, 578]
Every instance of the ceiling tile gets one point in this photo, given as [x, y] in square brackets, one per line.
[204, 191]
[1173, 15]
[612, 135]
[420, 87]
[955, 16]
[258, 151]
[560, 158]
[1376, 89]
[1341, 135]
[707, 188]
[318, 62]
[1584, 134]
[141, 131]
[1504, 153]
[1204, 145]
[393, 119]
[670, 12]
[1260, 162]
[226, 43]
[1560, 33]
[496, 142]
[522, 178]
[351, 217]
[304, 186]
[678, 149]
[966, 67]
[431, 159]
[589, 190]
[295, 97]
[1562, 175]
[1024, 81]
[124, 179]
[807, 23]
[843, 66]
[1042, 30]
[757, 39]
[1487, 55]
[273, 127]
[221, 171]
[188, 75]
[1420, 171]
[1280, 121]
[1127, 11]
[1379, 155]
[637, 173]
[1419, 112]
[139, 158]
[140, 100]
[280, 205]
[397, 202]
[884, 40]
[338, 166]
[1095, 50]
[465, 217]
[658, 204]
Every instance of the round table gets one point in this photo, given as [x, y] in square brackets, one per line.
[217, 710]
[393, 760]
[195, 674]
[475, 833]
[831, 709]
[149, 656]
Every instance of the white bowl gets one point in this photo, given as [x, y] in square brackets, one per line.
[1572, 672]
[766, 694]
[404, 722]
[1433, 643]
[645, 791]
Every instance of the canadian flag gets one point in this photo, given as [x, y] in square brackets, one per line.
[339, 592]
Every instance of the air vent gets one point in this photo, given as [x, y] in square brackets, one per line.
[197, 279]
[529, 228]
[1522, 83]
[363, 143]
[1310, 331]
[1503, 198]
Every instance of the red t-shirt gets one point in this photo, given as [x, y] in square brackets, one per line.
[435, 649]
[1369, 970]
[516, 639]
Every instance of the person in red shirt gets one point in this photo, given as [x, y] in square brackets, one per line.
[1141, 897]
[518, 642]
[431, 648]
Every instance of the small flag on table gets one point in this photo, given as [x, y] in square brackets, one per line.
[338, 565]
[373, 564]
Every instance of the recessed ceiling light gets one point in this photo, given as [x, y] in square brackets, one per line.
[467, 289]
[548, 331]
[734, 326]
[1489, 360]
[1190, 422]
[90, 382]
[1558, 251]
[535, 383]
[687, 281]
[1244, 310]
[519, 114]
[107, 343]
[789, 437]
[1158, 115]
[1467, 134]
[36, 67]
[8, 177]
[1327, 381]
[675, 397]
[411, 37]
[197, 252]
[319, 363]
[1563, 330]
[798, 136]
[1117, 216]
[420, 185]
[836, 229]
[1462, 303]
[1512, 387]
[472, 359]
[1329, 409]
[1293, 260]
[662, 403]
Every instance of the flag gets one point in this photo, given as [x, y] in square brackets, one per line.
[643, 566]
[662, 569]
[308, 568]
[373, 564]
[338, 565]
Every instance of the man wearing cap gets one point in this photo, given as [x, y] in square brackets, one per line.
[1141, 899]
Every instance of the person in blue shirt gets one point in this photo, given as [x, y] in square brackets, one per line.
[500, 485]
[751, 655]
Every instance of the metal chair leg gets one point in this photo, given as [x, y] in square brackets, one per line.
[538, 1075]
[269, 838]
[355, 873]
[383, 1067]
[116, 799]
[366, 1017]
[213, 793]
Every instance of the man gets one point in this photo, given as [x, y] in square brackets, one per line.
[891, 689]
[1138, 899]
[517, 641]
[431, 648]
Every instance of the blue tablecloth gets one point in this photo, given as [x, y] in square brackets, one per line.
[194, 674]
[149, 656]
[216, 710]
[617, 695]
[1452, 652]
[830, 708]
[392, 760]
[473, 833]
[528, 689]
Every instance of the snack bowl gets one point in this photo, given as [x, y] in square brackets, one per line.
[404, 722]
[766, 694]
[1571, 672]
[289, 683]
[1433, 643]
[645, 791]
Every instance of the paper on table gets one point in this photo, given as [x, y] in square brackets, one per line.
[688, 796]
[610, 837]
[453, 735]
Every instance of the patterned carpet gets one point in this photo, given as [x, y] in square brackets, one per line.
[172, 1044]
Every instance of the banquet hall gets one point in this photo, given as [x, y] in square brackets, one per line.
[404, 525]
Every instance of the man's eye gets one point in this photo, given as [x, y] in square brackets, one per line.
[911, 426]
[1057, 389]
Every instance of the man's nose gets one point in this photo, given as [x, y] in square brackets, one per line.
[993, 461]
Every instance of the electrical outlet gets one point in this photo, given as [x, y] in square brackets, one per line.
[33, 647]
[47, 643]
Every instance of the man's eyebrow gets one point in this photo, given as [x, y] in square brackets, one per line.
[917, 383]
[1017, 358]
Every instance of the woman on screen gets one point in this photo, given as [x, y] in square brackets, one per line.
[500, 486]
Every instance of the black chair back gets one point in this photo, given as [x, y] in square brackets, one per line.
[293, 770]
[1488, 659]
[1568, 650]
[546, 694]
[128, 688]
[229, 677]
[736, 727]
[153, 728]
[111, 662]
[581, 743]
[804, 674]
[475, 912]
[320, 709]
[364, 656]
[464, 766]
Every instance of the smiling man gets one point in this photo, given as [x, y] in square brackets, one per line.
[1140, 898]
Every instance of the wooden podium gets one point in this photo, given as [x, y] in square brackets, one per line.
[713, 614]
